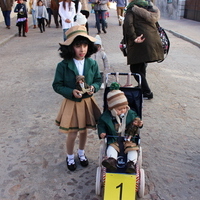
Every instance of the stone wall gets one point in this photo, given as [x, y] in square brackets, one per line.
[172, 9]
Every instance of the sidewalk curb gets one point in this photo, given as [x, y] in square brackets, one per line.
[7, 39]
[184, 38]
[12, 36]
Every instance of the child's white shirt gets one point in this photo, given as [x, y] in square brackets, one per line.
[80, 65]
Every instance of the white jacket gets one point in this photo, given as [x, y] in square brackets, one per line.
[67, 14]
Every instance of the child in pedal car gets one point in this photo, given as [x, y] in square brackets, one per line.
[114, 122]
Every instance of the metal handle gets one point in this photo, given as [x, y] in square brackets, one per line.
[124, 74]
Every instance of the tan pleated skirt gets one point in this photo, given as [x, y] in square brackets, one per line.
[78, 116]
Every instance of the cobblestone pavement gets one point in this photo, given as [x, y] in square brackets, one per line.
[33, 153]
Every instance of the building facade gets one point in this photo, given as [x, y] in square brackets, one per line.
[172, 9]
[177, 9]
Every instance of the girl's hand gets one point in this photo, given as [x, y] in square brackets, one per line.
[68, 21]
[102, 135]
[77, 94]
[139, 39]
[91, 90]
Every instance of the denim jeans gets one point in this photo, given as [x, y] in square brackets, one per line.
[64, 35]
[6, 15]
[100, 16]
[34, 17]
[49, 11]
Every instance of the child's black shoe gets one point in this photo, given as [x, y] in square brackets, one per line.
[83, 161]
[130, 167]
[110, 164]
[72, 166]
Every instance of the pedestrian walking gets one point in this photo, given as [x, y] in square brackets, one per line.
[67, 13]
[100, 8]
[47, 4]
[54, 8]
[41, 15]
[21, 11]
[33, 4]
[142, 40]
[6, 7]
[79, 111]
[120, 4]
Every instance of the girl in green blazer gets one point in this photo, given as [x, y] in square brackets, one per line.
[78, 112]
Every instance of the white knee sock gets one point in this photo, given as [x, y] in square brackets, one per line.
[81, 154]
[132, 156]
[70, 159]
[111, 152]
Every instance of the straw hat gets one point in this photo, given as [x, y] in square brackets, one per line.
[75, 31]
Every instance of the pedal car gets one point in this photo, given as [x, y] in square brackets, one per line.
[119, 185]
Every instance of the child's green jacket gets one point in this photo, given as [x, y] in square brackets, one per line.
[65, 78]
[106, 125]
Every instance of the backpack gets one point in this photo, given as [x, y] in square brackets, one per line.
[164, 39]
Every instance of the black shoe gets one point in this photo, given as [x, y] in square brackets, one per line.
[84, 163]
[24, 35]
[71, 167]
[104, 30]
[130, 167]
[148, 96]
[99, 32]
[110, 164]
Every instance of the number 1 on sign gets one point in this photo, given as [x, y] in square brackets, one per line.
[121, 188]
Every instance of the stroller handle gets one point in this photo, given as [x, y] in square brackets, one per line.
[124, 74]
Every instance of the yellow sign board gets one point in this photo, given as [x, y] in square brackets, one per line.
[120, 187]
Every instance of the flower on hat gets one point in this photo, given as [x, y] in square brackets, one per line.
[114, 86]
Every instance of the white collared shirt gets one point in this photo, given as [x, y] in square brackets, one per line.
[80, 65]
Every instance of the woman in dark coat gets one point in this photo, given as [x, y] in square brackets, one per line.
[142, 39]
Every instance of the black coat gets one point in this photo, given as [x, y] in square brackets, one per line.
[21, 11]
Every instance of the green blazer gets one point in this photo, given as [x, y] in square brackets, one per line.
[106, 125]
[65, 78]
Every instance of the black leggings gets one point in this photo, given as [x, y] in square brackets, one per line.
[21, 27]
[41, 24]
[140, 68]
